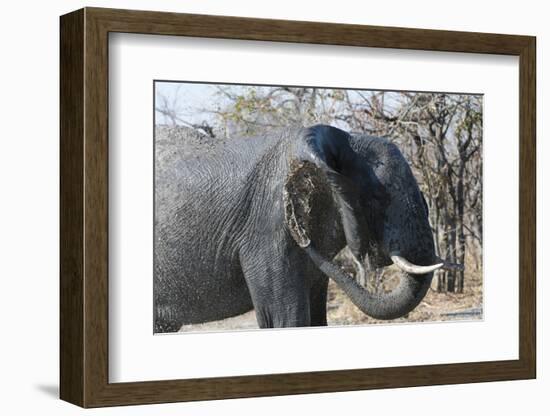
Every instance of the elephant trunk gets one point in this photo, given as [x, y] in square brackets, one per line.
[404, 298]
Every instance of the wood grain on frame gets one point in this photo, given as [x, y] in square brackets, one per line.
[84, 207]
[71, 213]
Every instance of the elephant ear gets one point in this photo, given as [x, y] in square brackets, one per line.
[304, 180]
[322, 166]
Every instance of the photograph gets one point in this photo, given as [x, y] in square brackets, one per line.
[298, 206]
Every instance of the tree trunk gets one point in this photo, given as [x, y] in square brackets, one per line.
[442, 244]
[461, 246]
[451, 249]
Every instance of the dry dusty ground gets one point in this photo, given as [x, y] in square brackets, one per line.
[435, 307]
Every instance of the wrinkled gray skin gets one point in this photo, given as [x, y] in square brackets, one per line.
[254, 223]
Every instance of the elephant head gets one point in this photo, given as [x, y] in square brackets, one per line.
[381, 211]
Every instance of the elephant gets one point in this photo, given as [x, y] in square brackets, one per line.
[255, 223]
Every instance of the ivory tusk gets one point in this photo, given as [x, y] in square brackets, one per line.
[409, 267]
[447, 265]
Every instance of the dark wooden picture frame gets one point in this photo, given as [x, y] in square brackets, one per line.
[84, 207]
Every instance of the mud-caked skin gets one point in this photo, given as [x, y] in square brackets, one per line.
[255, 222]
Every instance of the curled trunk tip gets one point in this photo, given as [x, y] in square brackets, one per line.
[400, 301]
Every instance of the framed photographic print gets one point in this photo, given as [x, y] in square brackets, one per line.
[255, 207]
